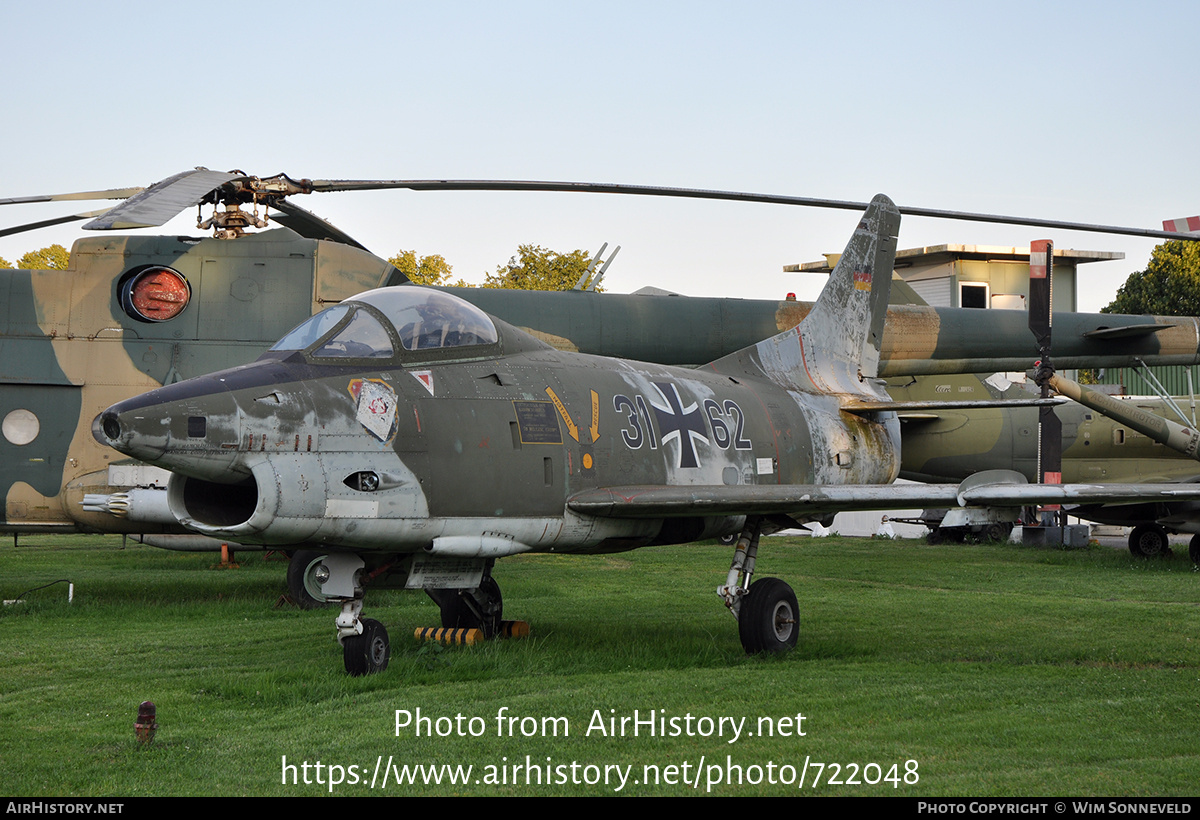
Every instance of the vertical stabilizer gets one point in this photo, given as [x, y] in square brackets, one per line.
[836, 347]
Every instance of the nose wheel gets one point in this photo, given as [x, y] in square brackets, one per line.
[369, 652]
[338, 578]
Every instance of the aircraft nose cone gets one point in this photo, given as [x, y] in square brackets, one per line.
[106, 428]
[119, 428]
[181, 426]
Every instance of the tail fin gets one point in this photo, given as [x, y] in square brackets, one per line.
[837, 344]
[846, 323]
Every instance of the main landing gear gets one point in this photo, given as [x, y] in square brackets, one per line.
[481, 608]
[1149, 541]
[766, 610]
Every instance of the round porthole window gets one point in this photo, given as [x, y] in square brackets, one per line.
[154, 293]
[20, 427]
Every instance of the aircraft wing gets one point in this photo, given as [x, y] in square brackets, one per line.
[864, 406]
[994, 488]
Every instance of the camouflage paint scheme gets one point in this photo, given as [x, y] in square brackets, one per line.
[918, 340]
[490, 438]
[68, 349]
[404, 433]
[949, 445]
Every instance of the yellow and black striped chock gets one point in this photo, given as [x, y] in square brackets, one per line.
[470, 637]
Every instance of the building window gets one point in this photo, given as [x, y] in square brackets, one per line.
[973, 294]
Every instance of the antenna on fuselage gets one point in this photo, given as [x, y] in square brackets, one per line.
[587, 274]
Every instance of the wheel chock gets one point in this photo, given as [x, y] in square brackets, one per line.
[514, 629]
[467, 637]
[470, 637]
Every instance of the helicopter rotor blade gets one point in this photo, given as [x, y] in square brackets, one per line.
[1041, 319]
[111, 193]
[46, 223]
[162, 201]
[308, 224]
[733, 196]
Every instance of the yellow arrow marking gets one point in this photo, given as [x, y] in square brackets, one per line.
[595, 416]
[571, 428]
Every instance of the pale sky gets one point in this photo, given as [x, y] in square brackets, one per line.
[1074, 111]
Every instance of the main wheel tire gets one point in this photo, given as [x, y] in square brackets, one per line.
[996, 533]
[458, 614]
[1194, 549]
[769, 617]
[1148, 541]
[297, 573]
[728, 540]
[369, 652]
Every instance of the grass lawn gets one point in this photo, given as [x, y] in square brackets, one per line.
[943, 671]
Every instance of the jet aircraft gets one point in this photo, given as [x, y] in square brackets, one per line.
[134, 312]
[409, 439]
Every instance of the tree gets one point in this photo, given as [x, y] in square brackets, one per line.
[4, 263]
[52, 257]
[1169, 286]
[428, 270]
[536, 268]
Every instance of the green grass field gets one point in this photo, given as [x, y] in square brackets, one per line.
[949, 670]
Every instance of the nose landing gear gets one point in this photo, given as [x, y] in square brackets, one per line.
[339, 578]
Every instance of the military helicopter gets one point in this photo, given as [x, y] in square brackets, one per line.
[1095, 437]
[134, 312]
[411, 440]
[1104, 439]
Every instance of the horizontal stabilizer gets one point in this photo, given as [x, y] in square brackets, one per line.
[1127, 332]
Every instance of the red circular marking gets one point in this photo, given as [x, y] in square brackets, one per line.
[159, 295]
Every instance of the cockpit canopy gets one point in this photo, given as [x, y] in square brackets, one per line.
[372, 324]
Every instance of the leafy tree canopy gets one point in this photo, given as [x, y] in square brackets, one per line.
[1169, 286]
[52, 257]
[537, 268]
[4, 263]
[427, 270]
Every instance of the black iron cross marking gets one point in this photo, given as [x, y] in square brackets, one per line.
[674, 420]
